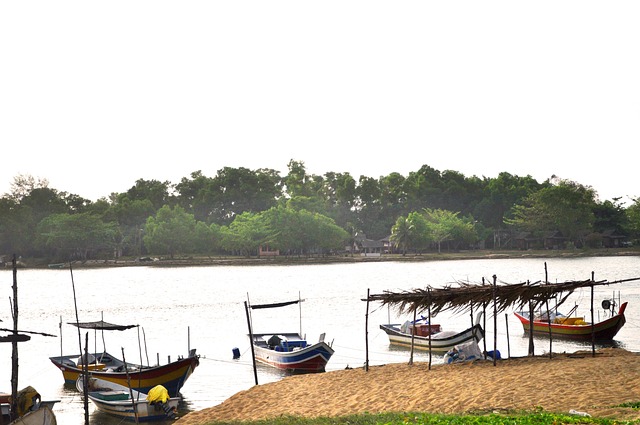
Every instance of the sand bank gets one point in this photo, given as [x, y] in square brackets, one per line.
[577, 381]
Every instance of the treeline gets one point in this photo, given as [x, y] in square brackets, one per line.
[238, 210]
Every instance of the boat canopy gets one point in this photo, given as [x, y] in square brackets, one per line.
[102, 325]
[274, 305]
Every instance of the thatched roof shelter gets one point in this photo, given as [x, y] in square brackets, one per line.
[468, 296]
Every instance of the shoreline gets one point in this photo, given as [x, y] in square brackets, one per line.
[191, 261]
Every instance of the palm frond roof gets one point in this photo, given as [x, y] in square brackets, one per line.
[466, 296]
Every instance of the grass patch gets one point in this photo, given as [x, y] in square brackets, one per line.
[633, 405]
[523, 418]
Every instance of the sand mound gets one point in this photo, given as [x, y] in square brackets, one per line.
[576, 381]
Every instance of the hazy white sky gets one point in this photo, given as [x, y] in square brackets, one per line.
[97, 94]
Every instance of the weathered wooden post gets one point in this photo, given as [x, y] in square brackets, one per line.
[366, 335]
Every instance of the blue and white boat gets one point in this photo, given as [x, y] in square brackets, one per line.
[289, 351]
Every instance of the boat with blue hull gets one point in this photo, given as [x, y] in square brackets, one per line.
[289, 351]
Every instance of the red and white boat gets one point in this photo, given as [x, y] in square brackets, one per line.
[575, 328]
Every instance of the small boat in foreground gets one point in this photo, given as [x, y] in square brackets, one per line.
[28, 402]
[41, 416]
[104, 366]
[129, 404]
[172, 375]
[288, 350]
[427, 336]
[575, 328]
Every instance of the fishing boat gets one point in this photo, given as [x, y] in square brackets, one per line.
[108, 367]
[576, 328]
[289, 351]
[430, 336]
[41, 416]
[126, 403]
[28, 401]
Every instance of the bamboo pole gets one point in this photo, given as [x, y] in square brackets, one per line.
[546, 281]
[593, 329]
[366, 335]
[413, 333]
[133, 402]
[495, 320]
[14, 343]
[429, 314]
[506, 321]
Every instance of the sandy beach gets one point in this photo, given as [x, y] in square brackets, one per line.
[568, 381]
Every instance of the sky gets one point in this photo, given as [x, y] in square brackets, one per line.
[95, 95]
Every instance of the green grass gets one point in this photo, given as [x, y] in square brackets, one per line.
[510, 418]
[633, 405]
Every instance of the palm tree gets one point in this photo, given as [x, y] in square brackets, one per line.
[402, 233]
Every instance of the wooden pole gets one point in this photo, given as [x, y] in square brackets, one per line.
[85, 377]
[366, 335]
[14, 344]
[253, 354]
[133, 401]
[484, 322]
[413, 333]
[429, 314]
[593, 329]
[546, 281]
[495, 320]
[506, 321]
[531, 312]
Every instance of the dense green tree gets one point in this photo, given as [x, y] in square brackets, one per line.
[159, 193]
[424, 189]
[441, 225]
[246, 233]
[339, 194]
[500, 195]
[610, 216]
[231, 192]
[130, 216]
[296, 182]
[172, 231]
[197, 195]
[633, 219]
[302, 232]
[76, 236]
[565, 206]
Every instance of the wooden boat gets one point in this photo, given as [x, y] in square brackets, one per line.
[575, 328]
[41, 416]
[426, 335]
[172, 375]
[108, 367]
[5, 403]
[125, 403]
[289, 351]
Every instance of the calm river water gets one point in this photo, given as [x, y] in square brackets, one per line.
[203, 308]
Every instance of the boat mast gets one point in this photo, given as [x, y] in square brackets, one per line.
[300, 309]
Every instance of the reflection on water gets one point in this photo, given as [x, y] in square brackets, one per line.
[203, 308]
